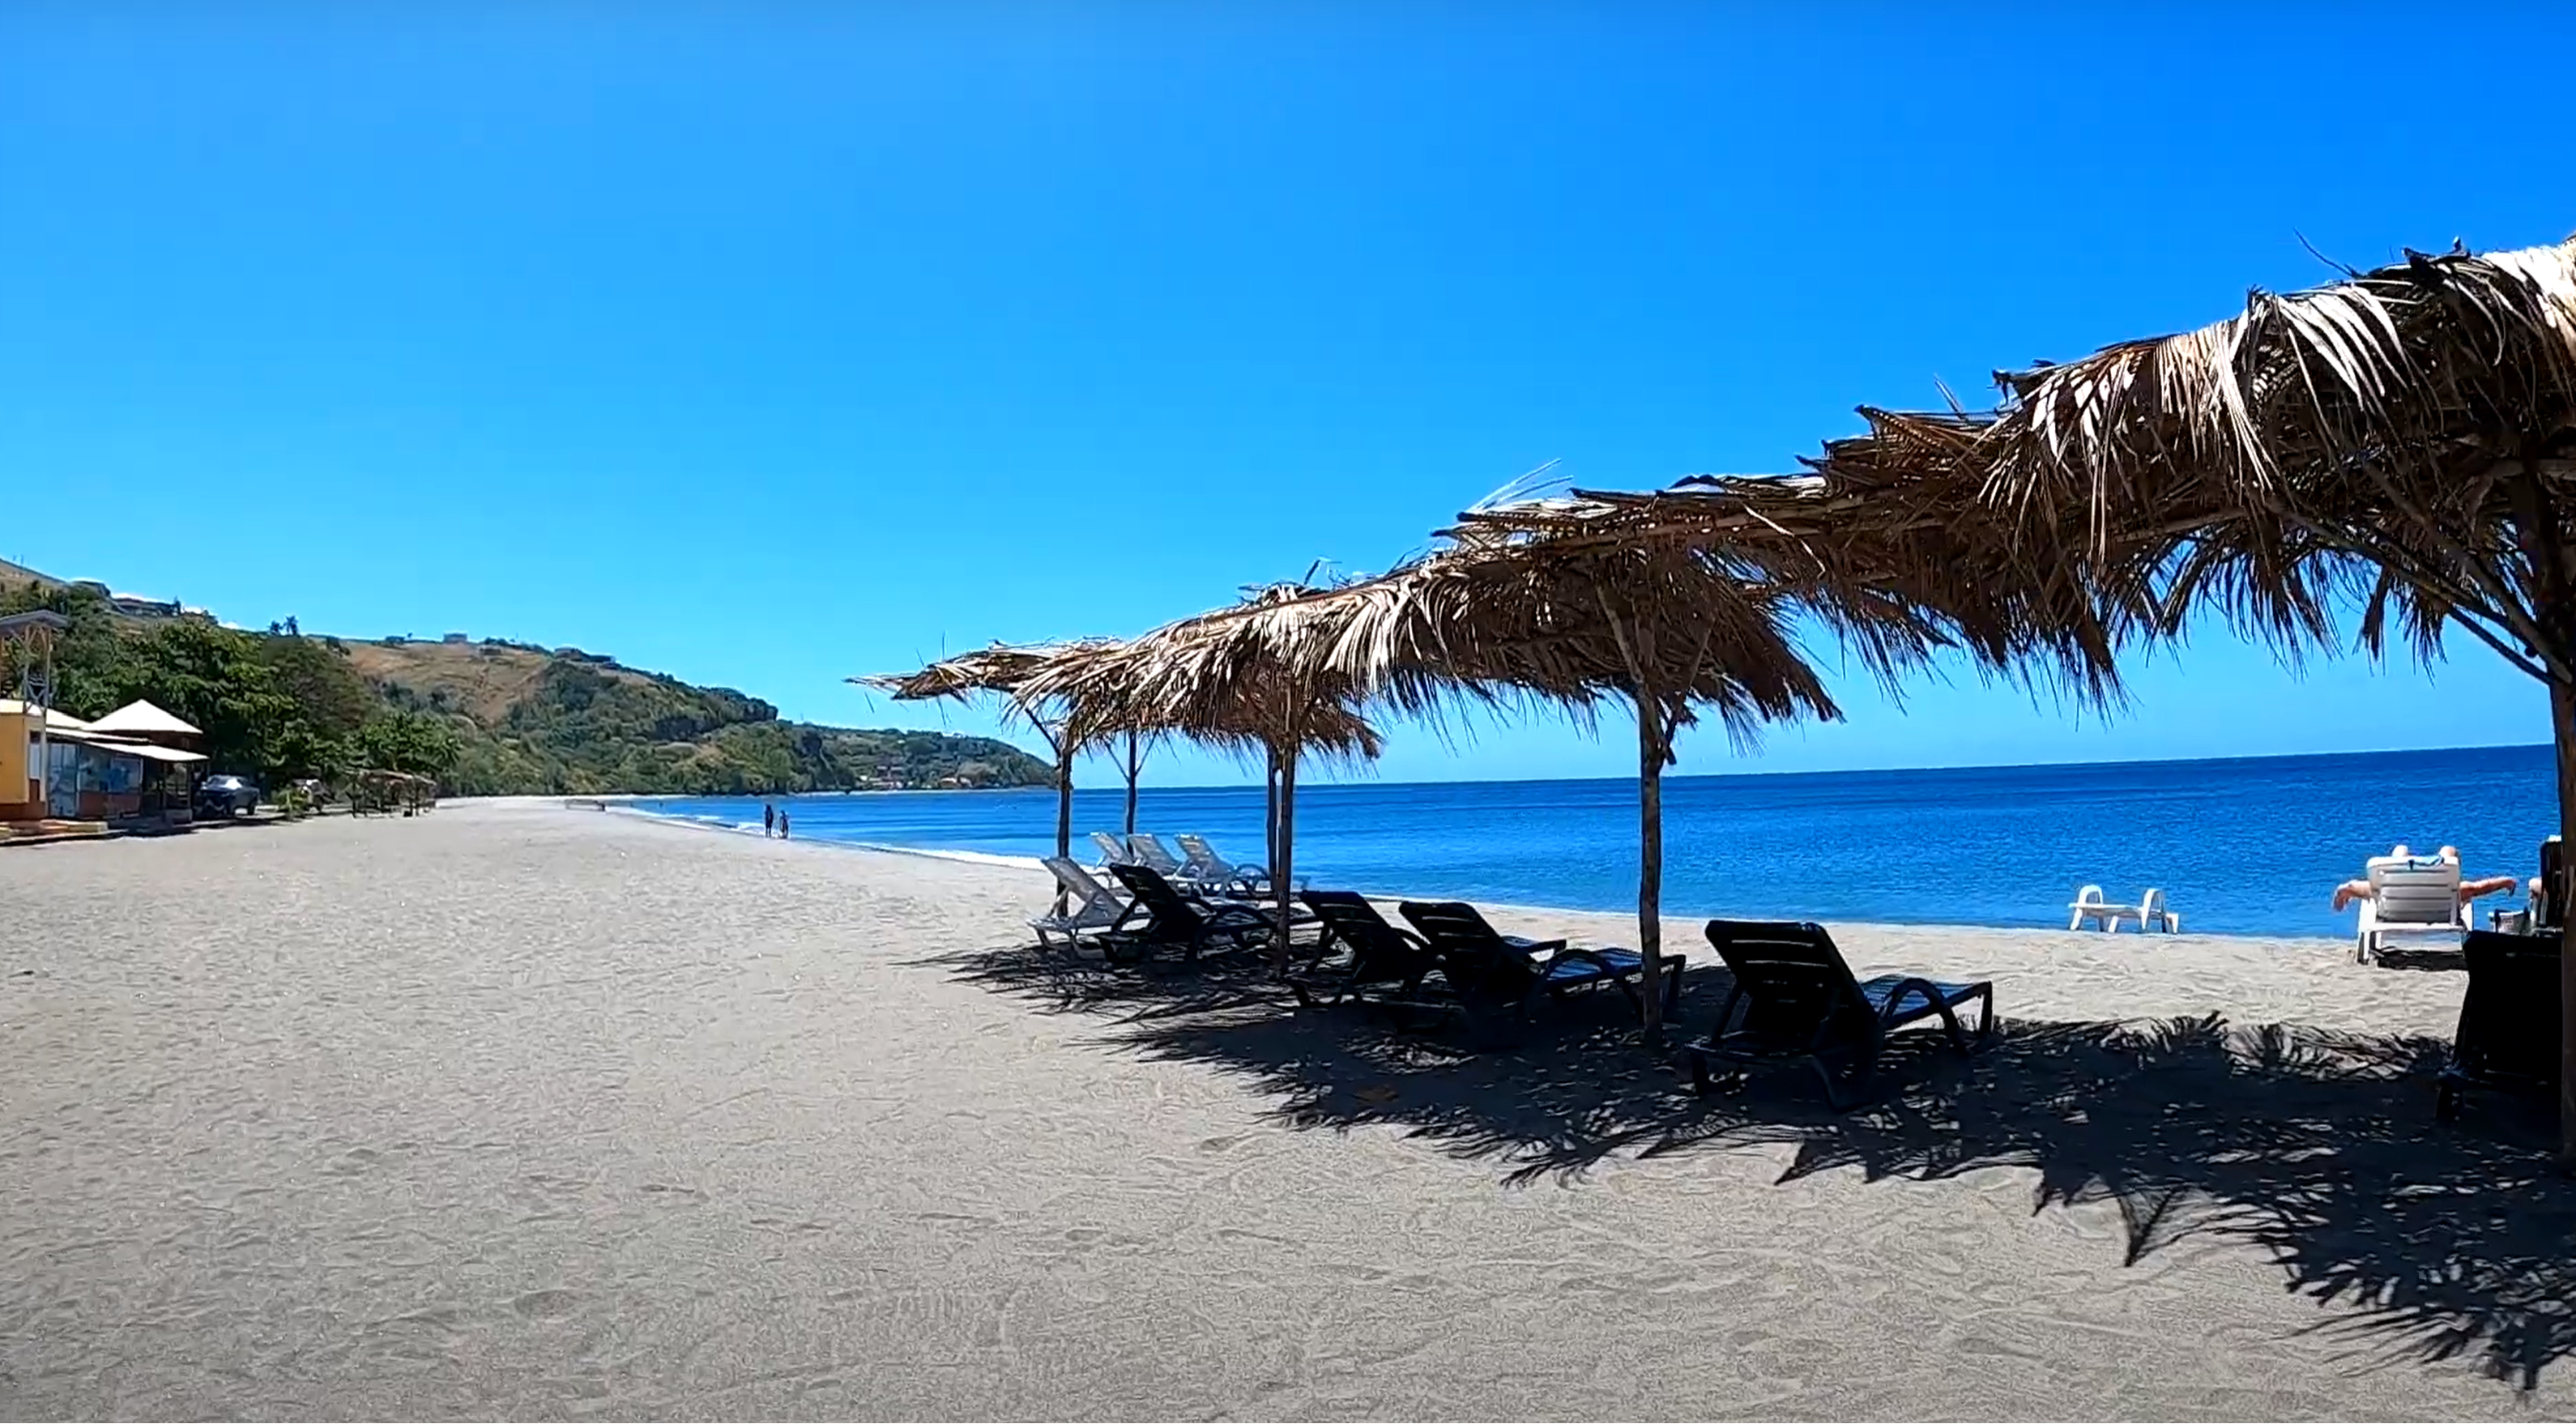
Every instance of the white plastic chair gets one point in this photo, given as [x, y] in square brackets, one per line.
[2409, 895]
[1209, 868]
[1095, 908]
[2153, 915]
[2088, 904]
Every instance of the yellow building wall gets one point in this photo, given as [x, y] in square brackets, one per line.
[22, 795]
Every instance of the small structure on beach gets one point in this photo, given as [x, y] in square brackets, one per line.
[374, 789]
[164, 748]
[142, 720]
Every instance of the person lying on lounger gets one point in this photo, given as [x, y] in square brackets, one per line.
[2352, 890]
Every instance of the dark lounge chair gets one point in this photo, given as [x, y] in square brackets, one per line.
[1160, 917]
[2509, 1020]
[1801, 1004]
[1386, 965]
[1487, 969]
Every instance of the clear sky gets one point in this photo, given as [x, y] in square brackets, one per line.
[766, 345]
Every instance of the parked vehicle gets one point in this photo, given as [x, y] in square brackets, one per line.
[226, 796]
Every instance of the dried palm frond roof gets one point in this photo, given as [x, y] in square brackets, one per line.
[2238, 461]
[1480, 617]
[1015, 672]
[1000, 668]
[1895, 569]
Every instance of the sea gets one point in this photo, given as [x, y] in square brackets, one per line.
[2250, 846]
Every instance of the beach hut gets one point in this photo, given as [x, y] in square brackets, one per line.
[2403, 440]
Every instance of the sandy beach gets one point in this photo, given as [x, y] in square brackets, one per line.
[517, 1111]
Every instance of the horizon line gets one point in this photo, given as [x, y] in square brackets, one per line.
[1862, 770]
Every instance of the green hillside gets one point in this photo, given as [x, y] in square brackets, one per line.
[488, 718]
[533, 720]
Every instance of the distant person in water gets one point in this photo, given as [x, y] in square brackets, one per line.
[769, 818]
[782, 825]
[2352, 890]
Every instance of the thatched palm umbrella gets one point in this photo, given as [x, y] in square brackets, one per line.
[2406, 438]
[1003, 672]
[1542, 595]
[1497, 617]
[1194, 678]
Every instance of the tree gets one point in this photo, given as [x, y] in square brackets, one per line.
[414, 743]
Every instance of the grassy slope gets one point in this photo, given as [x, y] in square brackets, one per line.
[533, 721]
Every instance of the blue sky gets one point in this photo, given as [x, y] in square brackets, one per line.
[767, 345]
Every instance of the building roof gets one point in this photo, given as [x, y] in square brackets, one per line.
[56, 719]
[149, 752]
[143, 719]
[122, 746]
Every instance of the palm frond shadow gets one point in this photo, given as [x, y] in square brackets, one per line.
[1064, 981]
[2427, 1242]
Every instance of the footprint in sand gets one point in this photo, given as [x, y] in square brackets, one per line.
[546, 1304]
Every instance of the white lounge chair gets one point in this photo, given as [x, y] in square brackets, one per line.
[2088, 904]
[2153, 914]
[1113, 851]
[2409, 895]
[1209, 868]
[1095, 908]
[1146, 849]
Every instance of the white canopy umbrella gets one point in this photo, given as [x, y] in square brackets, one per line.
[142, 719]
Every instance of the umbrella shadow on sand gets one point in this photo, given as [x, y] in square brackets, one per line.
[2432, 1241]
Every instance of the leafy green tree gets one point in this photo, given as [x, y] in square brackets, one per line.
[412, 742]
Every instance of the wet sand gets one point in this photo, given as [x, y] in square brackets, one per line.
[514, 1111]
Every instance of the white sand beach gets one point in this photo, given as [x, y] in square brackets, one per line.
[516, 1111]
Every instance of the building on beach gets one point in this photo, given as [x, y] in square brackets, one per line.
[112, 770]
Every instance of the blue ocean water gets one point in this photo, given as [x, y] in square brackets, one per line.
[2250, 846]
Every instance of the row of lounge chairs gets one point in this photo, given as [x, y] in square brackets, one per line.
[1792, 999]
[1198, 867]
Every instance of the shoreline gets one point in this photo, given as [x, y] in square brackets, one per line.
[1671, 916]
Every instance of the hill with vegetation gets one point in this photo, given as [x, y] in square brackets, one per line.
[488, 718]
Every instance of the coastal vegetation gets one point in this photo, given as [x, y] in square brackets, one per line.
[486, 718]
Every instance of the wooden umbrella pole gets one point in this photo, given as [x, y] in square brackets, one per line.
[1637, 650]
[1652, 750]
[1057, 741]
[1287, 854]
[1134, 767]
[1270, 813]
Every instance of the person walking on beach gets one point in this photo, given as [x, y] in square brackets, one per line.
[769, 818]
[782, 825]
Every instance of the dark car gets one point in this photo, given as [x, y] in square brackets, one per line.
[226, 796]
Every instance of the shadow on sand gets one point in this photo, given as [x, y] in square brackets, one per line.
[2318, 1147]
